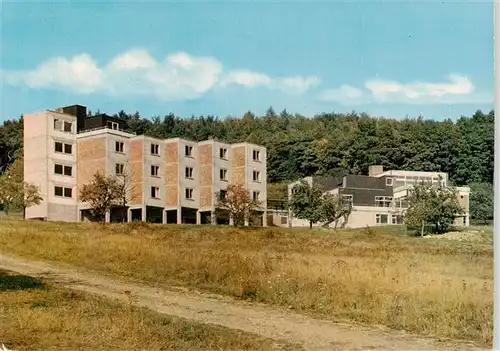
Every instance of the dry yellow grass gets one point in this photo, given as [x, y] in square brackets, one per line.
[37, 316]
[428, 286]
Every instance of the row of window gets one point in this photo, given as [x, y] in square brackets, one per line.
[405, 180]
[380, 201]
[188, 151]
[381, 218]
[63, 170]
[63, 126]
[155, 171]
[155, 150]
[63, 148]
[155, 193]
[63, 191]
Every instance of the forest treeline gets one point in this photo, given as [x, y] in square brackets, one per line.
[299, 146]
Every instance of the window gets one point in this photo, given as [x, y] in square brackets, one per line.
[63, 192]
[256, 176]
[63, 126]
[58, 147]
[68, 171]
[67, 149]
[189, 172]
[119, 146]
[154, 171]
[60, 169]
[68, 192]
[112, 125]
[401, 202]
[189, 194]
[155, 149]
[223, 174]
[284, 220]
[389, 181]
[58, 191]
[155, 192]
[383, 201]
[57, 125]
[223, 153]
[222, 194]
[397, 219]
[256, 195]
[188, 151]
[381, 218]
[119, 167]
[67, 127]
[256, 155]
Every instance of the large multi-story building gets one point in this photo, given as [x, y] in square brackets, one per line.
[168, 181]
[379, 198]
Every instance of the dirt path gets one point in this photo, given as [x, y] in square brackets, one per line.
[312, 334]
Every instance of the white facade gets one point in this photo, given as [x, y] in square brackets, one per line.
[362, 216]
[50, 163]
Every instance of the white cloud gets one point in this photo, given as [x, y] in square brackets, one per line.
[179, 76]
[79, 73]
[246, 78]
[297, 84]
[386, 89]
[291, 85]
[344, 92]
[133, 59]
[458, 89]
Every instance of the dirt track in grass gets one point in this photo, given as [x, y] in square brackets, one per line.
[278, 324]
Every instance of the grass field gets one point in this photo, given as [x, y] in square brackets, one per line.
[34, 315]
[374, 276]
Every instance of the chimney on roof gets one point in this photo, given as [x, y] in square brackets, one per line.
[374, 170]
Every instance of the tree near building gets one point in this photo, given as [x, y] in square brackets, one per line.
[127, 188]
[481, 202]
[432, 206]
[15, 193]
[102, 194]
[236, 202]
[307, 203]
[335, 208]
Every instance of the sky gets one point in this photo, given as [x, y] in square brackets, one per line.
[385, 58]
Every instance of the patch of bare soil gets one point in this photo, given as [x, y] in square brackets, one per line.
[278, 324]
[471, 235]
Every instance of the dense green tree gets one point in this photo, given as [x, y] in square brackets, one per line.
[481, 202]
[432, 206]
[11, 142]
[306, 202]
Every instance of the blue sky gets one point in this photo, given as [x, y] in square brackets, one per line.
[384, 58]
